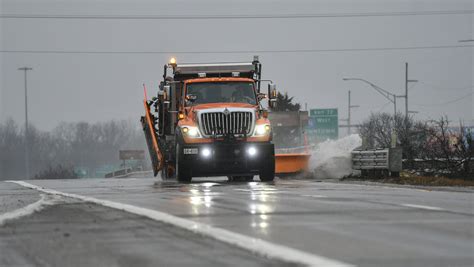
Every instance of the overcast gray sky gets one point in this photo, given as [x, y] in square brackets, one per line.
[98, 87]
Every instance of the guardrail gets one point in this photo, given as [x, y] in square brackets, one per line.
[136, 174]
[378, 160]
[370, 159]
[128, 172]
[118, 173]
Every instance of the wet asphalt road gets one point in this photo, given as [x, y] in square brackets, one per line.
[356, 224]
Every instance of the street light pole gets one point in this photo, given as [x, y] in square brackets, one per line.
[27, 153]
[388, 95]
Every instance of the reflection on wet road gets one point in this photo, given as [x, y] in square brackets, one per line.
[362, 225]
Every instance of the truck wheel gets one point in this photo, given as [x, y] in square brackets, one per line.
[163, 173]
[267, 173]
[167, 172]
[182, 173]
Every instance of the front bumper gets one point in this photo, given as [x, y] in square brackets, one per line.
[226, 159]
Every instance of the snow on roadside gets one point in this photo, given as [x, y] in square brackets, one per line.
[45, 200]
[332, 158]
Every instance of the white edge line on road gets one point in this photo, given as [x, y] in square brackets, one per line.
[255, 245]
[26, 210]
[421, 207]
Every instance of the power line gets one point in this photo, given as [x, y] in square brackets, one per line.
[447, 102]
[238, 51]
[440, 88]
[240, 16]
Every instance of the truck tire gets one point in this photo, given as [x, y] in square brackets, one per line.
[167, 173]
[267, 173]
[163, 173]
[182, 173]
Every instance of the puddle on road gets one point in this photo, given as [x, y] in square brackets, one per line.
[209, 183]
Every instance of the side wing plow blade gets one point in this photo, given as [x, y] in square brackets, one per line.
[151, 137]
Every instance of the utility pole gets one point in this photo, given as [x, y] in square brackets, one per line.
[394, 106]
[406, 92]
[348, 120]
[349, 108]
[27, 152]
[349, 113]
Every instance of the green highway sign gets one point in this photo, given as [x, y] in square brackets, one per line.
[323, 124]
[323, 112]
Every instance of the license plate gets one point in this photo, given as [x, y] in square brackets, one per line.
[190, 151]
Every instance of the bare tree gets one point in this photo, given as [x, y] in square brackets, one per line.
[411, 135]
[11, 150]
[58, 172]
[464, 148]
[448, 148]
[453, 149]
[84, 145]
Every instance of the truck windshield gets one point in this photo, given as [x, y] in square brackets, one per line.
[222, 92]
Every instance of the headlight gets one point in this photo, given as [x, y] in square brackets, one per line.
[206, 152]
[252, 151]
[262, 129]
[191, 131]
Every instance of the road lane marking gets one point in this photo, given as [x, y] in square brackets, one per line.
[421, 207]
[379, 185]
[252, 244]
[27, 210]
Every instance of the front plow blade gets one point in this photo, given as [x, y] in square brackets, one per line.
[291, 163]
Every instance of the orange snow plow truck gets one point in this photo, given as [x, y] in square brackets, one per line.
[208, 120]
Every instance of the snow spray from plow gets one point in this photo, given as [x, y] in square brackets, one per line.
[327, 160]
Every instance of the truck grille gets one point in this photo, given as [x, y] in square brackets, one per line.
[219, 123]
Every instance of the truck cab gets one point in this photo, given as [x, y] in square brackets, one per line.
[208, 120]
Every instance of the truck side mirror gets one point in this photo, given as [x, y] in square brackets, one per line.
[191, 98]
[166, 93]
[272, 91]
[272, 95]
[166, 96]
[261, 96]
[272, 103]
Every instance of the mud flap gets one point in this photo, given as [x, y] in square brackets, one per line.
[152, 139]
